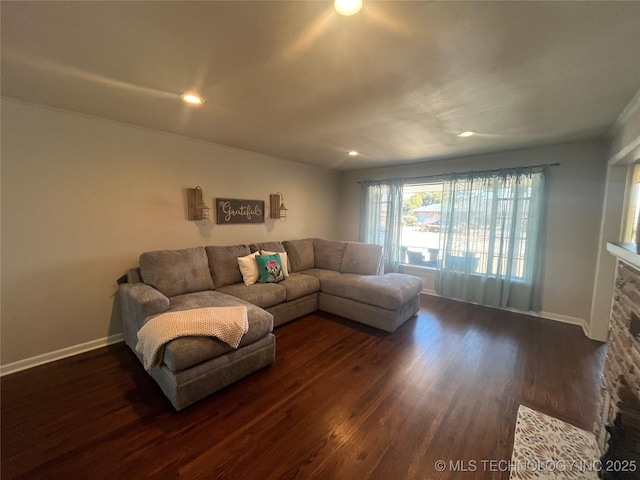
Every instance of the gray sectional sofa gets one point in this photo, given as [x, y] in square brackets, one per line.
[343, 278]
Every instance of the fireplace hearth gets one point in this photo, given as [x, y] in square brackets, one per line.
[621, 460]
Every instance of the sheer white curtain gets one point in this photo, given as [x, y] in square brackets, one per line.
[491, 240]
[381, 219]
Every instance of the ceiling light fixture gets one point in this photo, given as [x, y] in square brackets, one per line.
[352, 153]
[347, 7]
[192, 99]
[466, 134]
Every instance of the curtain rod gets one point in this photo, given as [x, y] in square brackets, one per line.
[469, 171]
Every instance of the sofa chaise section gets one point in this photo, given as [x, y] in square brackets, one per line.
[192, 367]
[352, 284]
[382, 301]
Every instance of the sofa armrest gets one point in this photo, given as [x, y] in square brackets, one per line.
[140, 301]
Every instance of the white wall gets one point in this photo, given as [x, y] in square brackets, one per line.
[576, 189]
[83, 197]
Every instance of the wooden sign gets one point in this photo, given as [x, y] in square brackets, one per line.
[231, 211]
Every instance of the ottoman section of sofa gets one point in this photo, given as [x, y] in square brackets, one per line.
[381, 318]
[390, 291]
[384, 302]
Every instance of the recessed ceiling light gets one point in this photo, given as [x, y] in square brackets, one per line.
[352, 153]
[466, 134]
[347, 7]
[191, 98]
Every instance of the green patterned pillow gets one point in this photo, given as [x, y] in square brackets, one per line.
[270, 268]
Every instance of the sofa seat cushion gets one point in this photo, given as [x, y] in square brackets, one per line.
[264, 295]
[389, 291]
[186, 352]
[321, 273]
[299, 285]
[174, 272]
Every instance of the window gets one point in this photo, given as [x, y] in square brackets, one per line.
[498, 216]
[421, 212]
[483, 223]
[491, 237]
[634, 207]
[381, 218]
[483, 231]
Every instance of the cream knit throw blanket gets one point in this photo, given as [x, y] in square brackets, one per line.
[228, 324]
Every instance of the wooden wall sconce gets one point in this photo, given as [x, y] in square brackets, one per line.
[197, 209]
[277, 210]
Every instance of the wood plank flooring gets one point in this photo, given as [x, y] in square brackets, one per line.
[342, 401]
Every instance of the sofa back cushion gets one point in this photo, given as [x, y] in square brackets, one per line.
[268, 246]
[328, 254]
[223, 263]
[362, 258]
[174, 272]
[300, 253]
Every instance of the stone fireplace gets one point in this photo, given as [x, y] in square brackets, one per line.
[620, 389]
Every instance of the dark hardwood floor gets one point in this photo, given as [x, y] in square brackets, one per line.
[342, 401]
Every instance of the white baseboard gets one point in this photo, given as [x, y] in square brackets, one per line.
[547, 315]
[59, 354]
[564, 319]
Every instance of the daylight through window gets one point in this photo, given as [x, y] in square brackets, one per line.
[421, 215]
[486, 224]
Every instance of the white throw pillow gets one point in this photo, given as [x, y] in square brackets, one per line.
[249, 268]
[283, 260]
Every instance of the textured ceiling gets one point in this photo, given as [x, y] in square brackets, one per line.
[294, 79]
